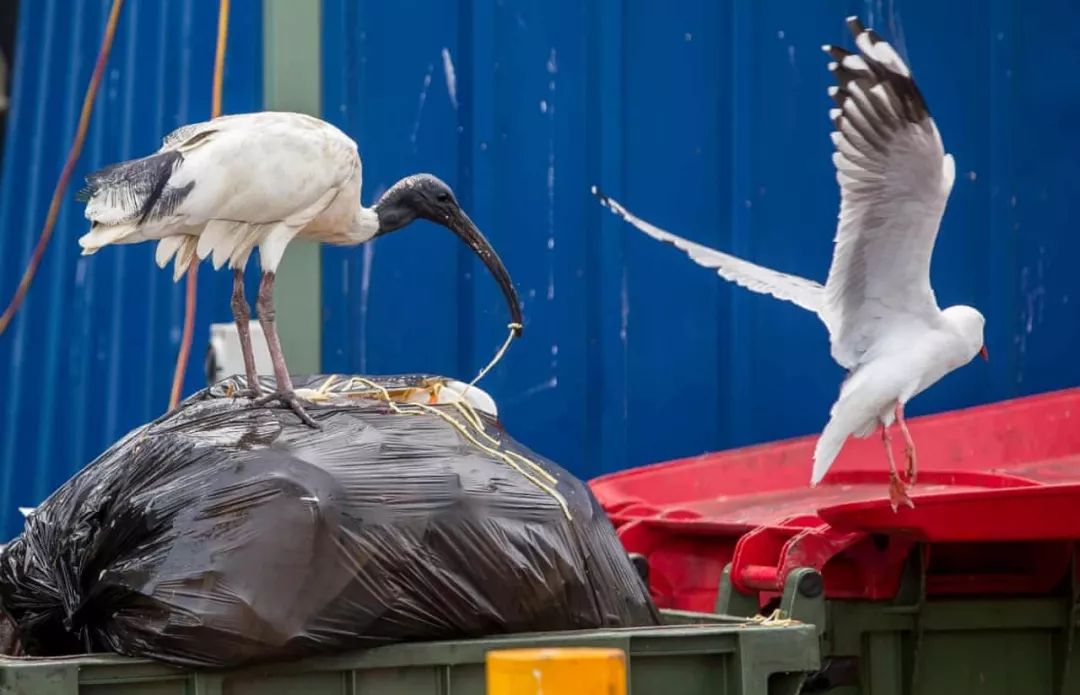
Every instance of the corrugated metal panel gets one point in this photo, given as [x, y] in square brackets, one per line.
[91, 354]
[710, 119]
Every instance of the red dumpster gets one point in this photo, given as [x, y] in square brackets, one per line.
[997, 511]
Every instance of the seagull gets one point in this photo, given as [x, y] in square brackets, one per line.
[223, 187]
[885, 326]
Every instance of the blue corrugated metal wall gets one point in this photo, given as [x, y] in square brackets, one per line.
[90, 355]
[709, 118]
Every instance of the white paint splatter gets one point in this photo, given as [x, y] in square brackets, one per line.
[549, 109]
[546, 385]
[624, 309]
[554, 350]
[791, 55]
[688, 37]
[780, 34]
[365, 294]
[1034, 295]
[80, 272]
[451, 76]
[972, 175]
[420, 106]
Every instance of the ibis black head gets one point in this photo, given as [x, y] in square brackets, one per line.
[423, 196]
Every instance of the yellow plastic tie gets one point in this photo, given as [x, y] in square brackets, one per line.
[504, 457]
[498, 355]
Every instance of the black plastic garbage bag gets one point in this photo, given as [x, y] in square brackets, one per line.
[224, 534]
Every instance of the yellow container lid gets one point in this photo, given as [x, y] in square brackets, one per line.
[560, 671]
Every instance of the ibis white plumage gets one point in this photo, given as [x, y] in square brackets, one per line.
[884, 324]
[222, 188]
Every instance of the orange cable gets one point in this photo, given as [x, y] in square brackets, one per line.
[69, 167]
[187, 336]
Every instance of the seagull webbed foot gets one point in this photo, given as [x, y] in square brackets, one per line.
[898, 493]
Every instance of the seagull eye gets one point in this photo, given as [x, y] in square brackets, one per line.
[443, 197]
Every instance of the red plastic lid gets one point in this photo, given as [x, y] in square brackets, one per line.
[1003, 473]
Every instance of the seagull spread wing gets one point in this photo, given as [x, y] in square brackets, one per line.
[805, 293]
[894, 180]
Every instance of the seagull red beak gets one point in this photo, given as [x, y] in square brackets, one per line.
[984, 354]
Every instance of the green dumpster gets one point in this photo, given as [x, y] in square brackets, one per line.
[694, 655]
[919, 645]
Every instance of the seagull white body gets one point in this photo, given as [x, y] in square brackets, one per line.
[884, 323]
[239, 182]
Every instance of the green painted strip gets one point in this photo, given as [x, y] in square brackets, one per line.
[292, 81]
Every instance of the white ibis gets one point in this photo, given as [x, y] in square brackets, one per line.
[884, 323]
[226, 186]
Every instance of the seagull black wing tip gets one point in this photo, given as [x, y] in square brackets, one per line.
[838, 54]
[854, 25]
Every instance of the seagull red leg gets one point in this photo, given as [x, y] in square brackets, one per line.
[285, 394]
[242, 316]
[897, 490]
[909, 445]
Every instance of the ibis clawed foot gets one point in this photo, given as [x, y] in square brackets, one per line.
[285, 393]
[289, 399]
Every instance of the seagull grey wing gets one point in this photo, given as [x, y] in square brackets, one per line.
[792, 288]
[894, 181]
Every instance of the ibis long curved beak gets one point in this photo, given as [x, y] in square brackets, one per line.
[983, 353]
[460, 224]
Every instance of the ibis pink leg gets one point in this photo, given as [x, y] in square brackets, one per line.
[285, 394]
[909, 445]
[897, 490]
[242, 316]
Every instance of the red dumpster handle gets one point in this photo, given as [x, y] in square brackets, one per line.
[760, 577]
